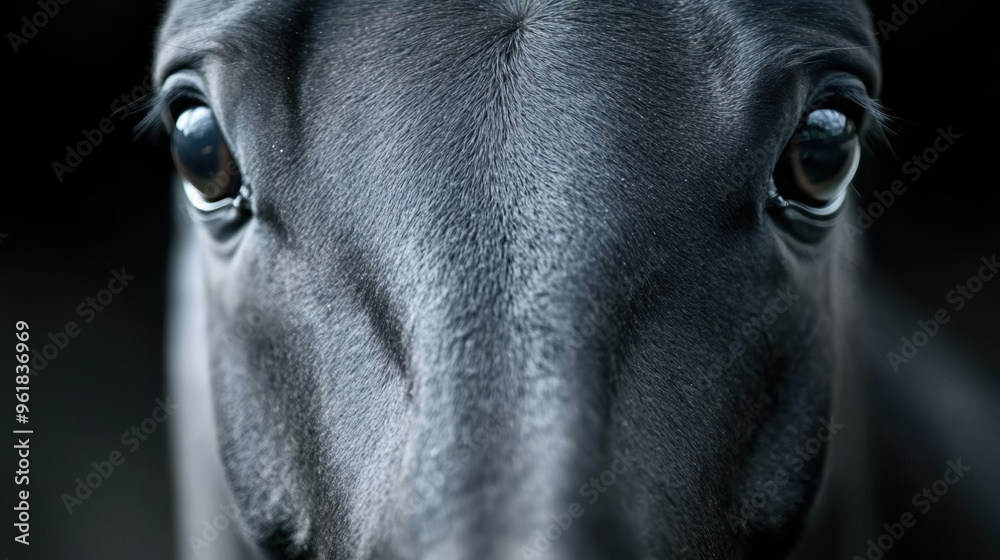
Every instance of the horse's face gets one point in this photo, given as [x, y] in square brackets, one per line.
[511, 277]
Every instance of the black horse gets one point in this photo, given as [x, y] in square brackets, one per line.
[512, 278]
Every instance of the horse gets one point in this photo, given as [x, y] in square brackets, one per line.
[510, 279]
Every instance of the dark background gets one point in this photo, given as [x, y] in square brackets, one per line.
[113, 210]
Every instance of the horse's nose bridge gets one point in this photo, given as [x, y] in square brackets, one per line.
[503, 409]
[508, 424]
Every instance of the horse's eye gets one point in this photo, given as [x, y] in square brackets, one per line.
[202, 156]
[820, 161]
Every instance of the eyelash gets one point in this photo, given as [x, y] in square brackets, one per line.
[869, 116]
[163, 109]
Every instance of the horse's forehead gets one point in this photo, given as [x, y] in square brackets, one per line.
[704, 32]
